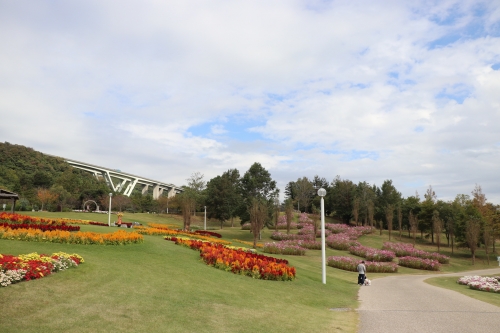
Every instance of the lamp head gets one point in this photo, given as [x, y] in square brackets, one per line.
[321, 192]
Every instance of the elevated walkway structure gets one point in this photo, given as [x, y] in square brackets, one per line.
[125, 182]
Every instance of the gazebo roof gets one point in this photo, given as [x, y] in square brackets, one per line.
[8, 195]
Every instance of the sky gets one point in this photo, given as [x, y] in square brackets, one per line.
[366, 90]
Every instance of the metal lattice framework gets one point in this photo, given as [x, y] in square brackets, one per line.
[125, 183]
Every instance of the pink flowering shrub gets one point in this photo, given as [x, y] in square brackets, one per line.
[307, 229]
[372, 254]
[308, 244]
[282, 226]
[340, 241]
[350, 264]
[284, 247]
[404, 249]
[282, 223]
[419, 263]
[336, 228]
[283, 236]
[490, 284]
[304, 219]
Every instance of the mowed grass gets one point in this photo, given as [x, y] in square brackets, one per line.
[450, 282]
[158, 286]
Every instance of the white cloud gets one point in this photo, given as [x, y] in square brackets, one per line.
[357, 89]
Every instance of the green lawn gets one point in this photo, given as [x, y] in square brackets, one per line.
[451, 283]
[158, 286]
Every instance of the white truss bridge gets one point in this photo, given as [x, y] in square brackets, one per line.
[125, 183]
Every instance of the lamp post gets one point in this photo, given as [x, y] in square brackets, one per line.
[109, 211]
[205, 220]
[322, 193]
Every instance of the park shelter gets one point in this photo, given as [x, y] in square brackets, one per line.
[9, 195]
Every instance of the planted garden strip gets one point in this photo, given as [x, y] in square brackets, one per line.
[57, 236]
[43, 227]
[18, 218]
[208, 233]
[34, 266]
[284, 247]
[419, 263]
[341, 241]
[490, 284]
[372, 254]
[239, 261]
[179, 233]
[350, 264]
[403, 249]
[280, 236]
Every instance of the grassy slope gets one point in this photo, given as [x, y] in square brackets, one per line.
[159, 286]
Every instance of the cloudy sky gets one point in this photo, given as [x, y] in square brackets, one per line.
[368, 90]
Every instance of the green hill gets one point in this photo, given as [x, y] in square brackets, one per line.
[24, 171]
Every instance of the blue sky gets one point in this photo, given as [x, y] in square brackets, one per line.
[370, 91]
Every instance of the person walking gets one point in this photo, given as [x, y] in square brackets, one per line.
[361, 273]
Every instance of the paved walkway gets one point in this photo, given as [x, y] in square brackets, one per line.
[407, 304]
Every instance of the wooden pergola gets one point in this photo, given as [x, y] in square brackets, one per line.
[9, 195]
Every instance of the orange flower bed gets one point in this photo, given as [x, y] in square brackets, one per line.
[176, 233]
[241, 262]
[18, 218]
[119, 237]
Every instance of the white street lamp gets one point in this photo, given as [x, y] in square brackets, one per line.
[322, 193]
[205, 220]
[109, 211]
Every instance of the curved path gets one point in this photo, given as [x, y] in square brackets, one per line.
[407, 304]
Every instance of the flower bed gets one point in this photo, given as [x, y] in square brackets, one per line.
[419, 263]
[34, 266]
[404, 249]
[283, 226]
[178, 233]
[57, 236]
[18, 218]
[241, 262]
[284, 247]
[43, 227]
[351, 264]
[248, 243]
[372, 254]
[99, 224]
[490, 284]
[208, 233]
[336, 228]
[340, 241]
[280, 236]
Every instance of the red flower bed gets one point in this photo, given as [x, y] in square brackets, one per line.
[99, 223]
[17, 218]
[34, 266]
[43, 227]
[241, 262]
[208, 233]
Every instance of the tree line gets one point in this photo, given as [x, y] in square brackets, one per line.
[468, 220]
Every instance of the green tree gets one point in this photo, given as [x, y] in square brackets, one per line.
[258, 212]
[197, 184]
[256, 183]
[223, 197]
[342, 195]
[304, 192]
[427, 209]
